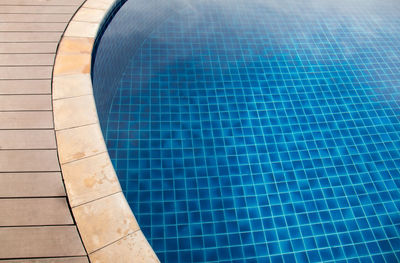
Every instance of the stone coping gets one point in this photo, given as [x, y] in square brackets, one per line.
[105, 221]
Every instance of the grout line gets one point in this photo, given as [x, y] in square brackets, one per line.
[86, 157]
[75, 127]
[129, 234]
[96, 199]
[72, 97]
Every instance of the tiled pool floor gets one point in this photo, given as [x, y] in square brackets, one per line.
[252, 131]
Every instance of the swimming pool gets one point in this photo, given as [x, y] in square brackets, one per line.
[256, 131]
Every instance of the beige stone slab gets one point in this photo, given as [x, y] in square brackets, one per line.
[29, 161]
[104, 221]
[74, 112]
[29, 27]
[28, 48]
[20, 9]
[50, 241]
[34, 212]
[49, 260]
[41, 2]
[37, 18]
[31, 86]
[99, 4]
[90, 15]
[34, 72]
[81, 29]
[133, 248]
[27, 139]
[68, 86]
[72, 64]
[26, 59]
[78, 45]
[89, 179]
[78, 143]
[26, 120]
[25, 102]
[7, 37]
[31, 184]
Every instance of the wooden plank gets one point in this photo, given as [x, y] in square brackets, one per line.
[25, 102]
[29, 166]
[25, 86]
[34, 48]
[34, 212]
[51, 241]
[27, 139]
[34, 72]
[26, 59]
[15, 9]
[49, 260]
[33, 27]
[37, 18]
[31, 184]
[26, 120]
[41, 2]
[10, 37]
[29, 161]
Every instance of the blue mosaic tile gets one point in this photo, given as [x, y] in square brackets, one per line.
[264, 131]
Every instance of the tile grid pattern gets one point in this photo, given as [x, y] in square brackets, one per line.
[275, 142]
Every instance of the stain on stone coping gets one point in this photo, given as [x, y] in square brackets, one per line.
[105, 221]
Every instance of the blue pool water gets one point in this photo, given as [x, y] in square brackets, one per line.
[257, 131]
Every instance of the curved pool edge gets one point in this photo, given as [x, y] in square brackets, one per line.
[105, 221]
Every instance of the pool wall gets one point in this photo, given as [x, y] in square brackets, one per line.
[109, 63]
[106, 223]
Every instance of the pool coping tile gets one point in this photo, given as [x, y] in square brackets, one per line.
[89, 179]
[105, 221]
[68, 86]
[81, 29]
[134, 243]
[78, 143]
[99, 4]
[71, 63]
[74, 112]
[90, 15]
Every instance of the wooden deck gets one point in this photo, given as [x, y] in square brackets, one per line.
[36, 224]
